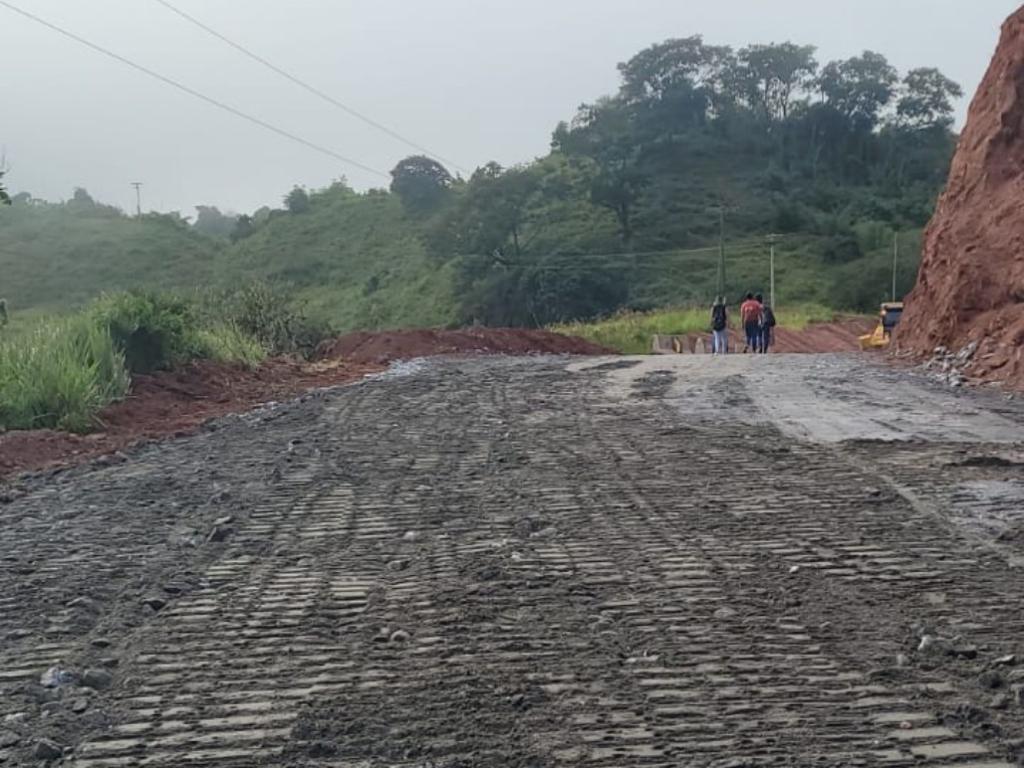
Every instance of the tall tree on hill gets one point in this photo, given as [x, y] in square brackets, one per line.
[605, 134]
[680, 63]
[297, 201]
[4, 197]
[499, 201]
[81, 199]
[488, 224]
[210, 221]
[926, 100]
[244, 227]
[860, 87]
[421, 183]
[772, 77]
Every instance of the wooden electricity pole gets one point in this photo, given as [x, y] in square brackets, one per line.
[772, 239]
[895, 260]
[721, 251]
[138, 198]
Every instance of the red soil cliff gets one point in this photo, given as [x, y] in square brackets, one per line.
[971, 284]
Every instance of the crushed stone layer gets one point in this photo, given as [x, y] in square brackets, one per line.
[508, 562]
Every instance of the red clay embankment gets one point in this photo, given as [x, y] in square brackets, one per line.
[383, 347]
[970, 287]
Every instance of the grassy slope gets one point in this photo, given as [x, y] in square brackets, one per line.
[355, 259]
[52, 257]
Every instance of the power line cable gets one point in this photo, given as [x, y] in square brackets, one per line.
[741, 247]
[194, 93]
[310, 88]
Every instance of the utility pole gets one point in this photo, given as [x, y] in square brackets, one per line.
[721, 251]
[895, 260]
[138, 198]
[772, 239]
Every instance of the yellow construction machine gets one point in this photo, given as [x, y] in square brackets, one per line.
[889, 318]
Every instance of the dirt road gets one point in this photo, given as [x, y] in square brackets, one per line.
[680, 561]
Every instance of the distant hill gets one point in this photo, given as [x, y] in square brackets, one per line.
[55, 255]
[626, 211]
[351, 258]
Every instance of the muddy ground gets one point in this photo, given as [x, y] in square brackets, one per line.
[791, 560]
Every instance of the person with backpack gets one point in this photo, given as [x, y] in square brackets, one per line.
[719, 327]
[767, 327]
[750, 316]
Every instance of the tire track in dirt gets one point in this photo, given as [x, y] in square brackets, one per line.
[492, 563]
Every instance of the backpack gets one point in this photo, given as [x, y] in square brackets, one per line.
[718, 320]
[769, 318]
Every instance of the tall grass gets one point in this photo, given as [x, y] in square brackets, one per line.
[631, 332]
[226, 343]
[59, 373]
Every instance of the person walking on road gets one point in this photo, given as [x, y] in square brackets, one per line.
[767, 327]
[719, 328]
[750, 316]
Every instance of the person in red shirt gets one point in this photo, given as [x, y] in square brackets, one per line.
[751, 312]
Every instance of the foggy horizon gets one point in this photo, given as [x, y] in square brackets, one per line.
[469, 83]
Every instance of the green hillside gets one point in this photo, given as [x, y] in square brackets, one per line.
[356, 259]
[58, 255]
[626, 211]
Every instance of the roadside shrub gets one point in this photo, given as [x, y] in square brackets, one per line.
[269, 315]
[58, 374]
[155, 331]
[226, 343]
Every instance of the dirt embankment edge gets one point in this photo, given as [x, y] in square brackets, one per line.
[970, 288]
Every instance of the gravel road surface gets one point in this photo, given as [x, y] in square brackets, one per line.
[688, 561]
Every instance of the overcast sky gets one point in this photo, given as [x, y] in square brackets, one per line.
[472, 80]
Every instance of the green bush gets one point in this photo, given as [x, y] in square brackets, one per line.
[268, 314]
[59, 373]
[155, 331]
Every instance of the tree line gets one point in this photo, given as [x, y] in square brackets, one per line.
[765, 132]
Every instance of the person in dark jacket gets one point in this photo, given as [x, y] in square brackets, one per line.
[719, 327]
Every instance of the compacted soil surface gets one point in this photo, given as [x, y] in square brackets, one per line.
[174, 403]
[689, 561]
[177, 402]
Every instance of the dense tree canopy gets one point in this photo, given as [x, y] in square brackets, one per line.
[210, 221]
[420, 182]
[927, 99]
[297, 201]
[784, 143]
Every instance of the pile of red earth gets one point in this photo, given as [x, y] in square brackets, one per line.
[970, 289]
[839, 336]
[383, 347]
